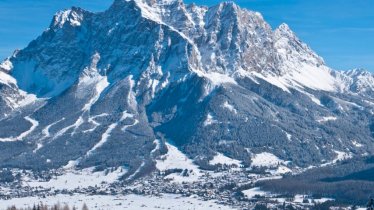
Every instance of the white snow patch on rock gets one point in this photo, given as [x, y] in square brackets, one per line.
[357, 144]
[45, 131]
[274, 80]
[76, 125]
[341, 156]
[288, 135]
[215, 80]
[46, 134]
[6, 65]
[93, 121]
[317, 78]
[218, 79]
[136, 172]
[101, 84]
[209, 120]
[71, 164]
[229, 107]
[315, 100]
[131, 97]
[326, 119]
[104, 138]
[305, 76]
[91, 79]
[27, 99]
[311, 96]
[148, 12]
[6, 79]
[126, 115]
[70, 16]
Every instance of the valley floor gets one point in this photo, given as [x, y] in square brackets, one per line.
[268, 185]
[166, 201]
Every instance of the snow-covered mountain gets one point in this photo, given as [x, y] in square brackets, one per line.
[357, 81]
[116, 88]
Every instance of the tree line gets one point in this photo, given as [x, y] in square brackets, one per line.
[57, 206]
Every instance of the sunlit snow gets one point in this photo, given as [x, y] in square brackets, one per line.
[224, 160]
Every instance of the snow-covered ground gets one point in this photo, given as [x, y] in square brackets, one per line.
[266, 159]
[357, 144]
[91, 78]
[102, 83]
[103, 139]
[300, 198]
[326, 119]
[209, 120]
[230, 107]
[78, 179]
[288, 135]
[6, 65]
[124, 117]
[253, 192]
[76, 125]
[166, 201]
[224, 160]
[175, 159]
[6, 79]
[339, 156]
[280, 170]
[275, 165]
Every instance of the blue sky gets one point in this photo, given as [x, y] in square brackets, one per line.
[341, 31]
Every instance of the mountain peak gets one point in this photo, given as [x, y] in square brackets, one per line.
[148, 2]
[358, 72]
[287, 40]
[6, 65]
[229, 4]
[284, 26]
[358, 80]
[228, 7]
[74, 16]
[285, 30]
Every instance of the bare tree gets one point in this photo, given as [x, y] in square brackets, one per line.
[84, 207]
[66, 207]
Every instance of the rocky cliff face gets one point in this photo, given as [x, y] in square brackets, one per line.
[109, 89]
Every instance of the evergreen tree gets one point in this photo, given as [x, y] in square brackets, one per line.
[370, 205]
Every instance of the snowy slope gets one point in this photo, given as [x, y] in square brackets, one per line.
[119, 202]
[71, 180]
[175, 159]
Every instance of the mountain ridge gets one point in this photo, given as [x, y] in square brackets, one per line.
[214, 80]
